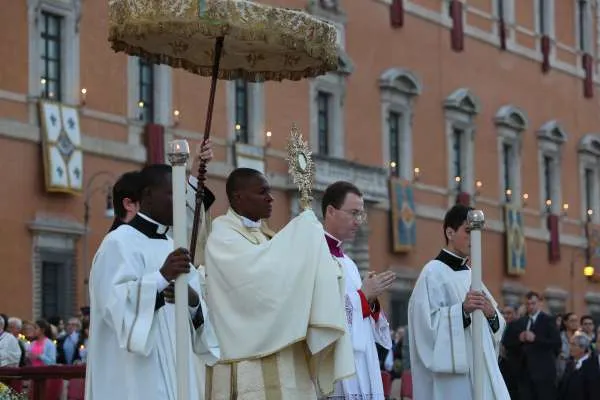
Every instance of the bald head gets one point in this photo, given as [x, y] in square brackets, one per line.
[249, 193]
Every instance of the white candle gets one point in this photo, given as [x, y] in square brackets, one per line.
[178, 156]
[476, 220]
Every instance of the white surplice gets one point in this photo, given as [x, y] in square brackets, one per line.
[131, 350]
[441, 349]
[364, 333]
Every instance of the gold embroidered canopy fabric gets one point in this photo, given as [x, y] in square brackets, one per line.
[261, 42]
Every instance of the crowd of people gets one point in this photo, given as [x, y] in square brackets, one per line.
[541, 356]
[45, 342]
[549, 357]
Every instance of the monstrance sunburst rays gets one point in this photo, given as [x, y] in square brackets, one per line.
[301, 166]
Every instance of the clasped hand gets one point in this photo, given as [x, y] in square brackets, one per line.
[375, 284]
[476, 300]
[527, 336]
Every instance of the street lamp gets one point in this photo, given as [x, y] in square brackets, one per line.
[588, 269]
[109, 212]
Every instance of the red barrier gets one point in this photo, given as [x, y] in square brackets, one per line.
[47, 381]
[386, 379]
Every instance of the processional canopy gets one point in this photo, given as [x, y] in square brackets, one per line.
[260, 42]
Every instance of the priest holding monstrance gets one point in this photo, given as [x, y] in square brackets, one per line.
[276, 303]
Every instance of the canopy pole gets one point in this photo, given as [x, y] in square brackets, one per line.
[202, 163]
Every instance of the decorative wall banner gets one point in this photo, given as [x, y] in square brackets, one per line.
[61, 141]
[554, 244]
[402, 216]
[155, 144]
[516, 260]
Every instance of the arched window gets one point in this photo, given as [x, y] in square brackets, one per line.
[398, 89]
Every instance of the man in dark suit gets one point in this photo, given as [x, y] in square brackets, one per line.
[67, 347]
[590, 371]
[509, 359]
[535, 341]
[571, 385]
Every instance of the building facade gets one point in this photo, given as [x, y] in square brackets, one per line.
[487, 102]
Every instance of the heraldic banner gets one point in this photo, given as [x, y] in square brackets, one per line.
[516, 260]
[61, 139]
[402, 216]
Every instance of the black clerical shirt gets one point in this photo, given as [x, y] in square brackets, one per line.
[154, 231]
[457, 263]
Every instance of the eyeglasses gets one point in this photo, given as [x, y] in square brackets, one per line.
[359, 216]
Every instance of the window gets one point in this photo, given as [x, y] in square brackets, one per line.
[544, 17]
[50, 286]
[399, 89]
[323, 113]
[457, 157]
[53, 52]
[460, 109]
[241, 111]
[510, 123]
[146, 90]
[548, 179]
[500, 9]
[394, 137]
[51, 56]
[583, 26]
[542, 13]
[551, 136]
[589, 169]
[508, 160]
[589, 177]
[327, 92]
[56, 284]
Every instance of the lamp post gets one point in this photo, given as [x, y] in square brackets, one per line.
[109, 212]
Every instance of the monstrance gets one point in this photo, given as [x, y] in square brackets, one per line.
[223, 39]
[301, 166]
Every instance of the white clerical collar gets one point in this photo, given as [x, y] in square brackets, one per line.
[247, 222]
[464, 259]
[337, 241]
[160, 228]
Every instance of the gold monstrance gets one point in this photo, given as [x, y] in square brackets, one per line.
[301, 166]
